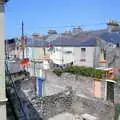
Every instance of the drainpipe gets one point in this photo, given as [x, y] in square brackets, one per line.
[45, 74]
[94, 59]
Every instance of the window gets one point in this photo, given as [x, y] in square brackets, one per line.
[57, 49]
[68, 52]
[83, 54]
[83, 49]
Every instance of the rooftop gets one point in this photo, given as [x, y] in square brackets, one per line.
[82, 38]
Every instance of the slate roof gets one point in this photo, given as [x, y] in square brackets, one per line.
[89, 42]
[84, 38]
[36, 43]
[113, 37]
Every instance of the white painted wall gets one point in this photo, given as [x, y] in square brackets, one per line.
[2, 67]
[35, 52]
[89, 57]
[60, 53]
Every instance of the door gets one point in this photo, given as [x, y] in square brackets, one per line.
[110, 91]
[97, 88]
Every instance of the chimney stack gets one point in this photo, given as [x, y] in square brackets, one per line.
[38, 36]
[111, 25]
[52, 32]
[76, 29]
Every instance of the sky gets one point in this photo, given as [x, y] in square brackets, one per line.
[41, 15]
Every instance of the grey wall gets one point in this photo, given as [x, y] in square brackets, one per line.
[55, 104]
[49, 106]
[84, 85]
[117, 93]
[89, 56]
[101, 109]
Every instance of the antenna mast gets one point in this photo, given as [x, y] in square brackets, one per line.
[22, 41]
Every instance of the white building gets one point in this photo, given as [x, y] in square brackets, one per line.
[85, 56]
[81, 53]
[62, 55]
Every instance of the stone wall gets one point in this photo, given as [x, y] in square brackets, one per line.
[85, 85]
[80, 84]
[113, 58]
[117, 93]
[23, 108]
[101, 109]
[69, 100]
[53, 105]
[36, 108]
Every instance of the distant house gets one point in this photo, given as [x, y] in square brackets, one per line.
[10, 47]
[63, 51]
[85, 54]
[81, 53]
[11, 53]
[35, 49]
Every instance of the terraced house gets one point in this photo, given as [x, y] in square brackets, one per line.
[77, 47]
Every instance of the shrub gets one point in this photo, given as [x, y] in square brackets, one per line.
[58, 71]
[81, 70]
[117, 79]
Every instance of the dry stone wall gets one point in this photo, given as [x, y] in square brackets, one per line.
[99, 108]
[66, 101]
[85, 85]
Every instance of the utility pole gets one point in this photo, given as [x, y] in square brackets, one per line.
[45, 74]
[3, 98]
[22, 41]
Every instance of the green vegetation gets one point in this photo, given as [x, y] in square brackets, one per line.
[117, 111]
[117, 79]
[58, 71]
[81, 70]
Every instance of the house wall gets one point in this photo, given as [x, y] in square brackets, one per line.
[89, 56]
[97, 57]
[35, 52]
[65, 55]
[10, 49]
[59, 53]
